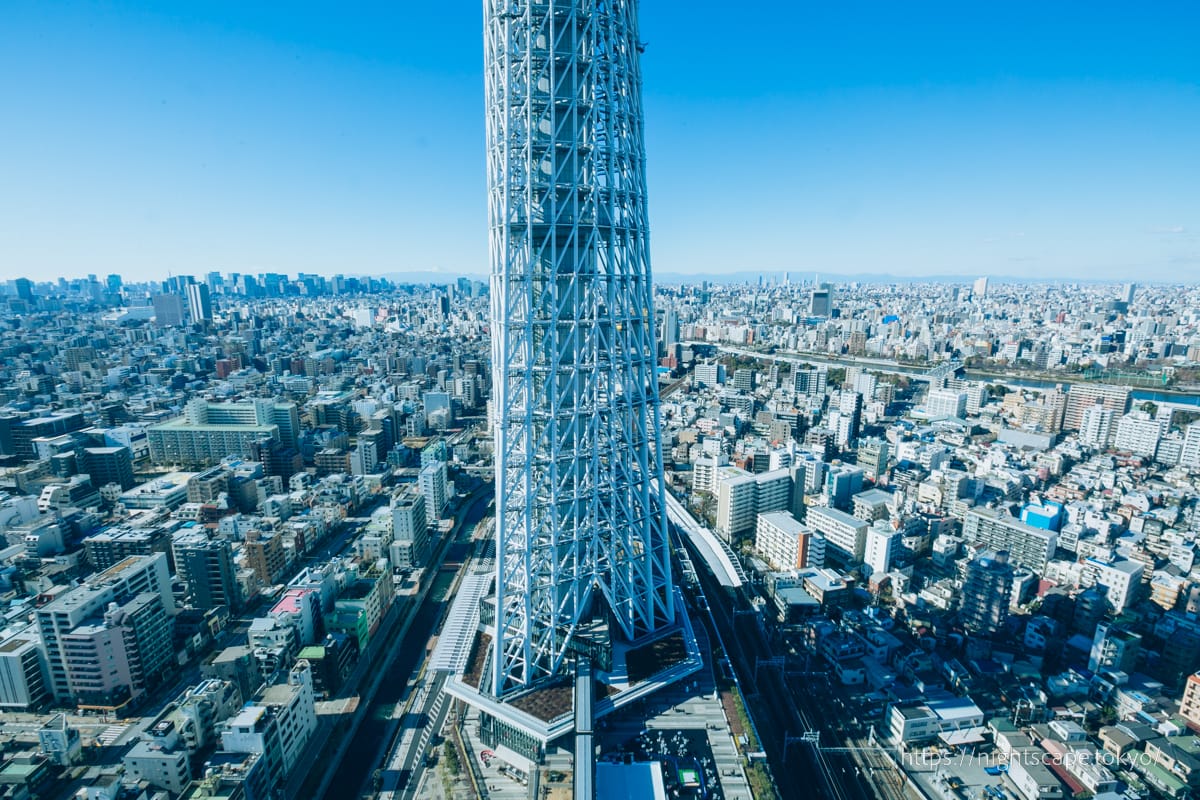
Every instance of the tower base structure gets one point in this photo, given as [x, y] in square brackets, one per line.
[624, 673]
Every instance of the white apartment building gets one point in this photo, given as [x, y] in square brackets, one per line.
[1033, 778]
[1190, 455]
[742, 496]
[845, 536]
[880, 546]
[1138, 433]
[946, 403]
[277, 726]
[773, 491]
[1085, 395]
[433, 484]
[162, 765]
[123, 581]
[22, 673]
[363, 457]
[942, 713]
[737, 506]
[1095, 430]
[410, 530]
[1027, 546]
[1120, 577]
[710, 374]
[864, 383]
[131, 644]
[704, 472]
[809, 471]
[788, 544]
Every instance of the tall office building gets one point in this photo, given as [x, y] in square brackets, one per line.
[820, 300]
[22, 433]
[24, 288]
[199, 302]
[580, 512]
[286, 415]
[168, 310]
[979, 288]
[670, 327]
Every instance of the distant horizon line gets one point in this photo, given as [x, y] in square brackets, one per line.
[435, 277]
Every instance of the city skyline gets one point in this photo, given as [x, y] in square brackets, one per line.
[819, 440]
[960, 142]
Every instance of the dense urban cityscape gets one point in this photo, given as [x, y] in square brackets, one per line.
[345, 475]
[924, 530]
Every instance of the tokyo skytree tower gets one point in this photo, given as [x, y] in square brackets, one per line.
[580, 516]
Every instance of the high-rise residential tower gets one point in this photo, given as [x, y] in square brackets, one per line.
[986, 593]
[580, 516]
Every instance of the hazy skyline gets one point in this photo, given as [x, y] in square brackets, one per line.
[943, 138]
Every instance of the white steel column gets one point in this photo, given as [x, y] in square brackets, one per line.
[576, 409]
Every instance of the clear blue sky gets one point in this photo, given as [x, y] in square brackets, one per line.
[920, 138]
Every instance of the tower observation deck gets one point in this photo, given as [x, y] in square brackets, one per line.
[580, 517]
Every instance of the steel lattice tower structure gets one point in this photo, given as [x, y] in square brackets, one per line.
[575, 400]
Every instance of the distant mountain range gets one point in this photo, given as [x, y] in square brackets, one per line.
[435, 277]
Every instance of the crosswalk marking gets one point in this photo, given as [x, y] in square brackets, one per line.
[110, 735]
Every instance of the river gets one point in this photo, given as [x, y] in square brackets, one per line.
[894, 368]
